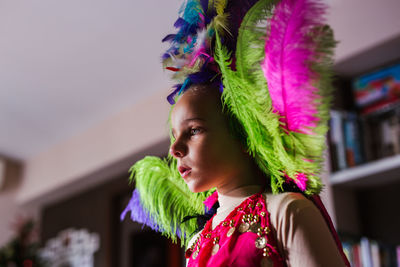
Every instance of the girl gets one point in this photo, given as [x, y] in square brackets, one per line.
[210, 156]
[247, 135]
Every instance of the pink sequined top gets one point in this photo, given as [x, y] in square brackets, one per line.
[245, 235]
[244, 238]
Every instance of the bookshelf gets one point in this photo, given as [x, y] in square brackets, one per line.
[379, 172]
[365, 189]
[366, 199]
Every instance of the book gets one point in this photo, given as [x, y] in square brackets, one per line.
[375, 255]
[366, 257]
[377, 89]
[366, 252]
[367, 140]
[357, 259]
[352, 140]
[337, 141]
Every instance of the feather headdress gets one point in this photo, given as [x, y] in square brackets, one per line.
[271, 60]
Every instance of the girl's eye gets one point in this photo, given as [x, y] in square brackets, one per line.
[194, 131]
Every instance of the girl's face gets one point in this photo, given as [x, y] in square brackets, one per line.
[207, 153]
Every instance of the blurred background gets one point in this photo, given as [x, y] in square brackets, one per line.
[83, 96]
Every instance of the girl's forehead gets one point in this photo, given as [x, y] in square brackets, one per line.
[195, 104]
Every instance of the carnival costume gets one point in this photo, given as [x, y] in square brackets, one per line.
[271, 61]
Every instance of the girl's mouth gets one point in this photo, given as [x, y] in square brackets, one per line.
[184, 171]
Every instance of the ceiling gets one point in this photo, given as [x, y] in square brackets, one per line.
[67, 65]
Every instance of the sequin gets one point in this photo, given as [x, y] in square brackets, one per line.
[261, 242]
[195, 254]
[230, 231]
[244, 227]
[215, 249]
[254, 227]
[265, 251]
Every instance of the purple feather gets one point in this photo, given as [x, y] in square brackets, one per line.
[180, 22]
[171, 96]
[138, 213]
[165, 56]
[168, 38]
[201, 77]
[204, 5]
[236, 10]
[221, 87]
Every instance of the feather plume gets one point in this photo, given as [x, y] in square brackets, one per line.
[204, 5]
[289, 51]
[297, 66]
[220, 24]
[220, 6]
[260, 124]
[278, 152]
[164, 198]
[138, 213]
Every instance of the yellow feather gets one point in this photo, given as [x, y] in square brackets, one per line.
[220, 24]
[220, 6]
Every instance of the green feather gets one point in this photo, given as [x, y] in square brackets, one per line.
[166, 197]
[251, 39]
[260, 123]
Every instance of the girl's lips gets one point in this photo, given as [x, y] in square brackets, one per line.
[184, 171]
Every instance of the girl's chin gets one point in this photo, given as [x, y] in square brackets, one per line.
[195, 187]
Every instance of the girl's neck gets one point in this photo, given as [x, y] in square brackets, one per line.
[237, 195]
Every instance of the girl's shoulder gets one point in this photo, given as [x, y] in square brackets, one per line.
[302, 233]
[290, 208]
[287, 201]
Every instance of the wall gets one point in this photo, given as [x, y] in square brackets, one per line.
[9, 209]
[91, 210]
[360, 25]
[99, 150]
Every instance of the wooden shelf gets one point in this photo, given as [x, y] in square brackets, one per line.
[380, 172]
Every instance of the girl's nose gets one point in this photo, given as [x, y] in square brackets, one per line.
[178, 149]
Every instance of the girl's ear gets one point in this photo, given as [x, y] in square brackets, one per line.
[243, 148]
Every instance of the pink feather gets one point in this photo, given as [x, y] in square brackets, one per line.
[289, 49]
[211, 200]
